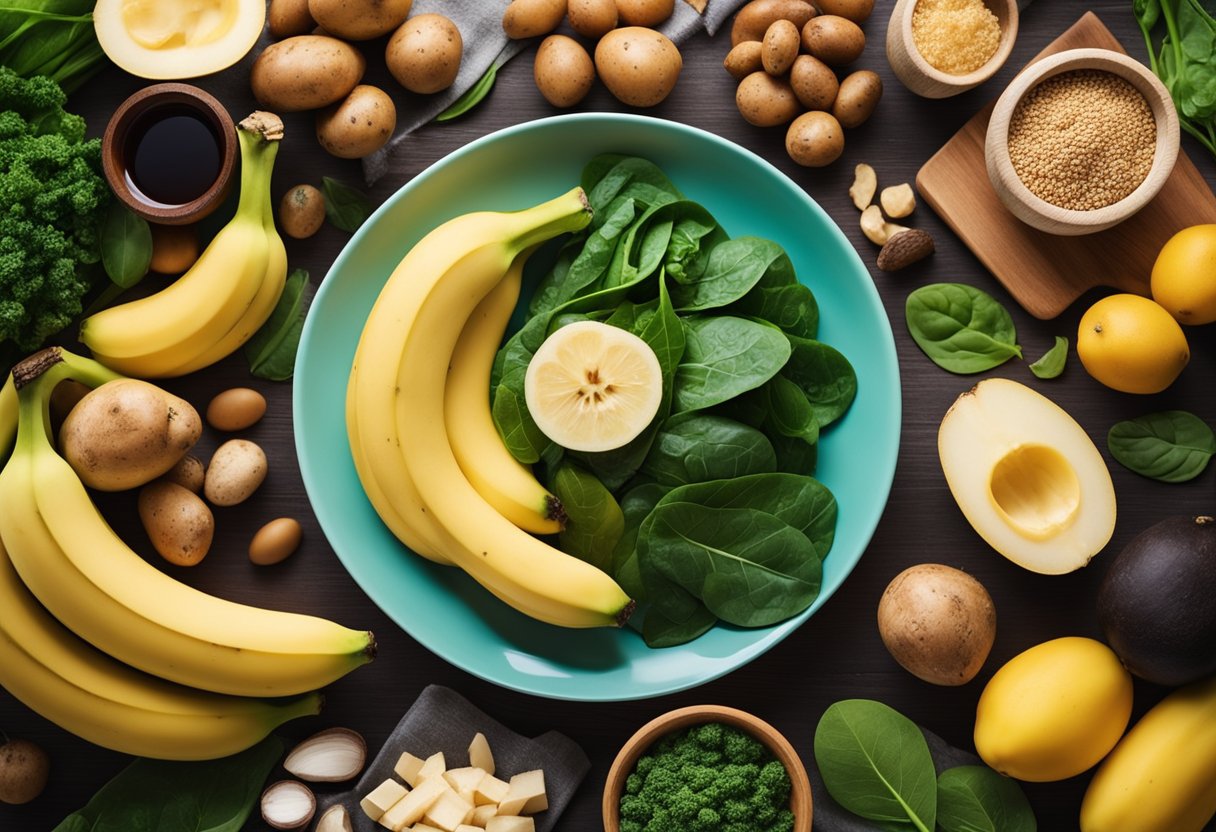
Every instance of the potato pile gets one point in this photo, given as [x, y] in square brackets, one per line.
[785, 54]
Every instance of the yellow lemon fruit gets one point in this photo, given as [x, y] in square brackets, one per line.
[1184, 276]
[1054, 710]
[1131, 344]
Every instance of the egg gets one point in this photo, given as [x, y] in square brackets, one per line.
[638, 65]
[563, 71]
[275, 541]
[236, 409]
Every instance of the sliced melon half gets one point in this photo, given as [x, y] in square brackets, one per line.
[166, 39]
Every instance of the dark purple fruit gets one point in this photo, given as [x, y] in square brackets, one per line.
[1157, 603]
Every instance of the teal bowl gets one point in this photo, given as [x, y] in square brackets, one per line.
[441, 607]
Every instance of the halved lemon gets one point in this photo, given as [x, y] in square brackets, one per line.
[593, 387]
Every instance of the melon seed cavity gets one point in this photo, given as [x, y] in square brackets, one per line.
[955, 36]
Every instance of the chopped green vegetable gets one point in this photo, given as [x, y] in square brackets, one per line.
[1053, 361]
[345, 207]
[53, 38]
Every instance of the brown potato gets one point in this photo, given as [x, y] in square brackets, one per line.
[563, 71]
[359, 124]
[857, 11]
[592, 18]
[744, 59]
[424, 53]
[189, 473]
[532, 18]
[359, 19]
[814, 83]
[779, 47]
[644, 12]
[765, 101]
[275, 541]
[638, 65]
[305, 72]
[236, 470]
[126, 433]
[753, 20]
[287, 18]
[301, 211]
[834, 40]
[939, 623]
[24, 769]
[858, 96]
[237, 408]
[178, 523]
[815, 139]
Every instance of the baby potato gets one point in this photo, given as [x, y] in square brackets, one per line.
[814, 139]
[305, 72]
[744, 59]
[857, 11]
[833, 39]
[301, 211]
[24, 770]
[237, 408]
[424, 53]
[359, 19]
[592, 18]
[779, 47]
[563, 71]
[644, 12]
[189, 473]
[753, 20]
[236, 470]
[178, 523]
[287, 18]
[275, 541]
[814, 83]
[766, 101]
[359, 124]
[858, 96]
[638, 65]
[532, 18]
[174, 248]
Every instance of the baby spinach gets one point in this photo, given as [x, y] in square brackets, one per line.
[734, 267]
[698, 447]
[594, 520]
[126, 246]
[1184, 60]
[635, 504]
[660, 631]
[345, 207]
[977, 799]
[272, 349]
[960, 328]
[1172, 446]
[824, 375]
[787, 411]
[791, 307]
[723, 357]
[1053, 361]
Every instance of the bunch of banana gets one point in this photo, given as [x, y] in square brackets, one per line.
[58, 553]
[225, 297]
[410, 419]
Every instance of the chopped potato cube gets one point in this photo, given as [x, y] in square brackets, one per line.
[480, 755]
[433, 766]
[490, 790]
[464, 781]
[396, 818]
[526, 789]
[449, 811]
[407, 768]
[379, 799]
[483, 813]
[423, 827]
[414, 805]
[465, 827]
[510, 823]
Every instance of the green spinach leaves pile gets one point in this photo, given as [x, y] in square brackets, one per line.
[711, 512]
[1184, 59]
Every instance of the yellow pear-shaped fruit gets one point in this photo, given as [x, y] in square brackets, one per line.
[1131, 344]
[1184, 276]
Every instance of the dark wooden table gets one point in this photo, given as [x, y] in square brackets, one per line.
[837, 654]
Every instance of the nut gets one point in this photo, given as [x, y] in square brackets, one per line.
[905, 248]
[865, 183]
[877, 229]
[898, 200]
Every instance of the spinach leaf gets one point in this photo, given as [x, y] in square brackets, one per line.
[700, 447]
[875, 762]
[518, 430]
[824, 375]
[960, 328]
[608, 175]
[345, 207]
[787, 411]
[211, 796]
[472, 96]
[694, 234]
[977, 799]
[271, 351]
[792, 307]
[1172, 446]
[734, 267]
[594, 520]
[635, 504]
[660, 631]
[590, 263]
[795, 456]
[723, 357]
[1053, 361]
[126, 246]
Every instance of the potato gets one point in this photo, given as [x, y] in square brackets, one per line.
[753, 20]
[189, 473]
[289, 17]
[814, 83]
[857, 11]
[177, 521]
[766, 101]
[236, 470]
[24, 769]
[236, 408]
[592, 18]
[359, 124]
[814, 139]
[424, 53]
[305, 72]
[301, 211]
[174, 248]
[834, 40]
[938, 623]
[779, 47]
[126, 433]
[359, 19]
[275, 541]
[858, 96]
[638, 65]
[66, 395]
[532, 18]
[744, 59]
[563, 71]
[644, 12]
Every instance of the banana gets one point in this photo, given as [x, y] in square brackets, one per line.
[8, 417]
[502, 480]
[98, 587]
[157, 335]
[1162, 775]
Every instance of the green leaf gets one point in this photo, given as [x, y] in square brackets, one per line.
[977, 799]
[960, 328]
[1053, 361]
[126, 246]
[345, 207]
[700, 447]
[723, 357]
[271, 351]
[472, 97]
[660, 631]
[161, 796]
[734, 267]
[875, 762]
[594, 520]
[1172, 446]
[824, 375]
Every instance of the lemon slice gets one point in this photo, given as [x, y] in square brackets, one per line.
[593, 387]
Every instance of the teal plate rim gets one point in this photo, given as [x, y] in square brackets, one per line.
[496, 646]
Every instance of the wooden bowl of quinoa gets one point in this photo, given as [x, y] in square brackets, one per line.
[689, 746]
[940, 48]
[1080, 141]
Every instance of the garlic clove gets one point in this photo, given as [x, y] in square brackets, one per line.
[334, 819]
[333, 755]
[288, 805]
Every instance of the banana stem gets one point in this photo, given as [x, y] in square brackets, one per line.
[77, 367]
[259, 137]
[569, 212]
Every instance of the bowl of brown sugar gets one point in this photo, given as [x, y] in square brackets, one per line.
[1080, 141]
[940, 48]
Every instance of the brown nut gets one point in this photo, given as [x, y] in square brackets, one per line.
[898, 201]
[876, 228]
[865, 183]
[905, 248]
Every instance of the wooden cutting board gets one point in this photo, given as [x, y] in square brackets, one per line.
[1043, 272]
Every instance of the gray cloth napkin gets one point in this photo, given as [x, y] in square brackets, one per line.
[443, 720]
[485, 43]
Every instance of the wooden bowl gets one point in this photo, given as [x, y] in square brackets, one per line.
[627, 758]
[119, 132]
[928, 81]
[1043, 215]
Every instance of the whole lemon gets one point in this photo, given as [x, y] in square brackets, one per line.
[1131, 344]
[1184, 276]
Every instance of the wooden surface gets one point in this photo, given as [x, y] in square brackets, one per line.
[838, 653]
[1046, 273]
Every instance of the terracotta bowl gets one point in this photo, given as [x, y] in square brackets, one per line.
[1043, 215]
[127, 116]
[926, 80]
[627, 758]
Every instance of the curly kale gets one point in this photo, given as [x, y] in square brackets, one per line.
[52, 199]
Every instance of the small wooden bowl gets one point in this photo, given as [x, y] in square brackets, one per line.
[627, 758]
[118, 130]
[928, 81]
[1043, 215]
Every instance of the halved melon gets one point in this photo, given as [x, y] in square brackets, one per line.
[165, 39]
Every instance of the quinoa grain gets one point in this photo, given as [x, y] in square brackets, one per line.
[955, 36]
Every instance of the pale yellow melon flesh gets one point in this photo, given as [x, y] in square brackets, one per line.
[167, 39]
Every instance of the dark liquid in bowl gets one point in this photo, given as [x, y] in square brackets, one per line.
[172, 156]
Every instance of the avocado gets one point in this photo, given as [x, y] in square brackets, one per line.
[1157, 602]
